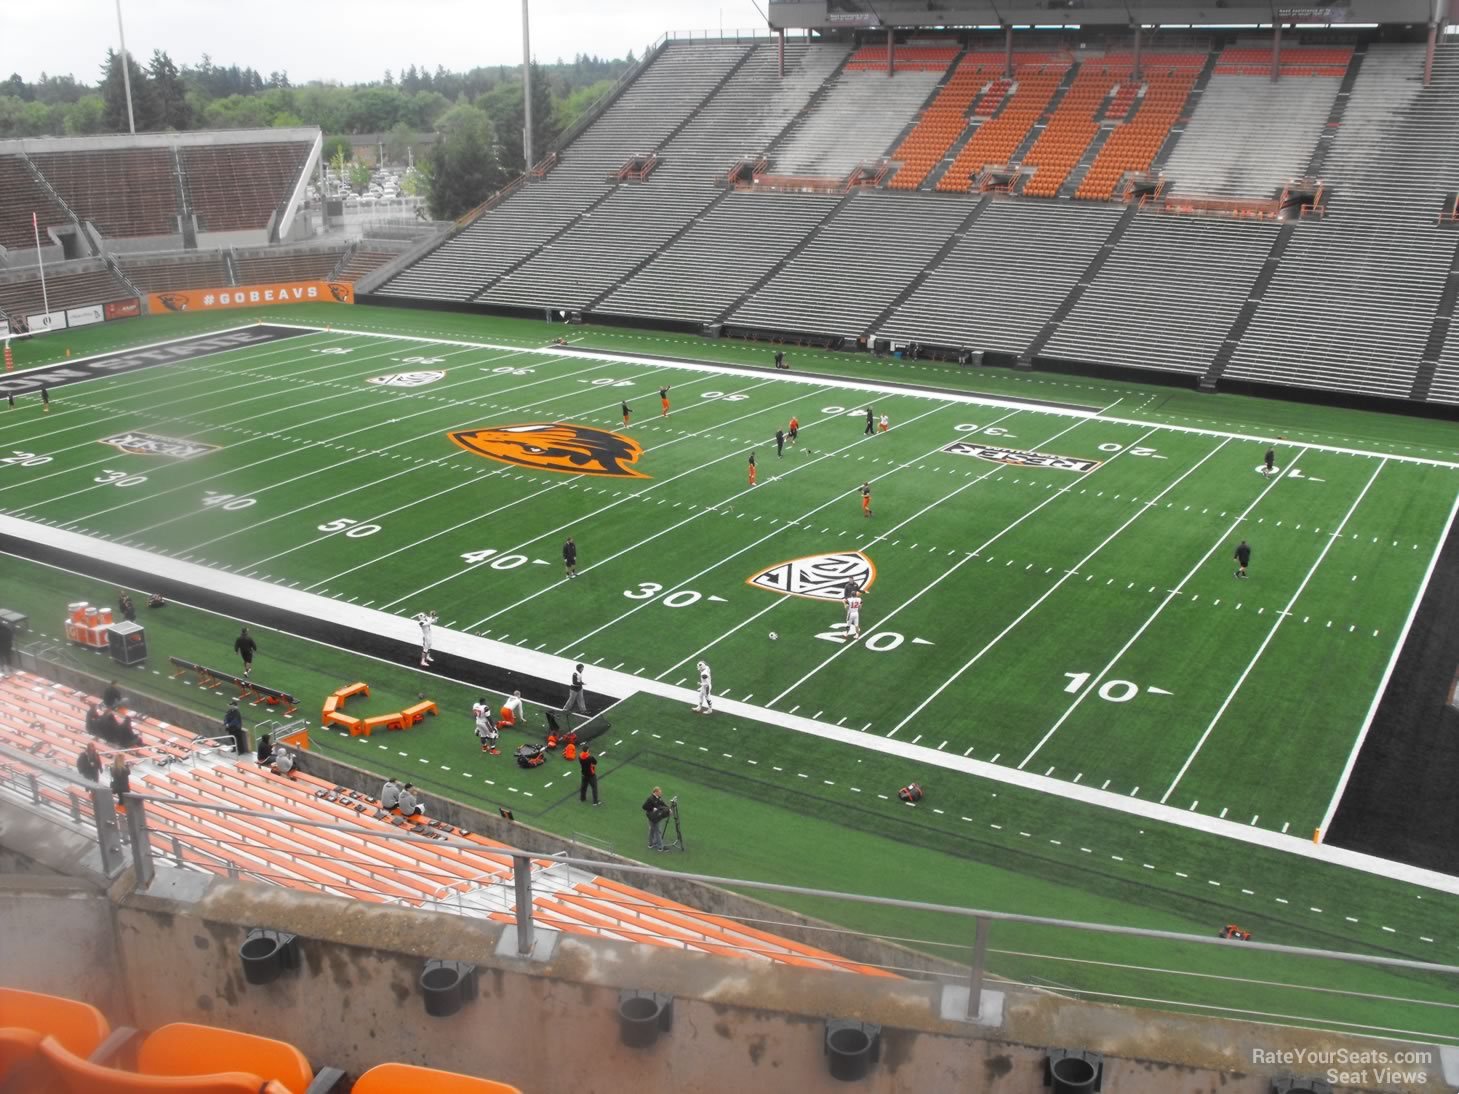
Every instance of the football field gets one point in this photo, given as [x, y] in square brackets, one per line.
[1047, 588]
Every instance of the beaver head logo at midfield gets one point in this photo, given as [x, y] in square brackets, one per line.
[556, 446]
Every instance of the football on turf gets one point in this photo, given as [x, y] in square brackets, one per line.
[773, 636]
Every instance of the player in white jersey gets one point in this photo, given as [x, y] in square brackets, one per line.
[425, 619]
[706, 683]
[486, 730]
[853, 613]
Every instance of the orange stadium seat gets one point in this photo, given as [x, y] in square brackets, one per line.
[409, 1079]
[183, 1048]
[79, 1026]
[63, 1072]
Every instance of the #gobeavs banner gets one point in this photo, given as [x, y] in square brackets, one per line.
[245, 296]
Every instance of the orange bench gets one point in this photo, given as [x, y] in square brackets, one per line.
[359, 688]
[417, 713]
[384, 721]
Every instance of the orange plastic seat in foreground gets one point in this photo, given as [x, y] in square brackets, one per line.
[186, 1049]
[64, 1073]
[409, 1079]
[78, 1026]
[16, 1045]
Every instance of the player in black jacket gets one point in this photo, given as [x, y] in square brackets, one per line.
[245, 647]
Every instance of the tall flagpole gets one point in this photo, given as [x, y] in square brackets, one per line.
[526, 88]
[45, 296]
[126, 71]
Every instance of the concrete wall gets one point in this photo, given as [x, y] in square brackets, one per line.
[548, 1026]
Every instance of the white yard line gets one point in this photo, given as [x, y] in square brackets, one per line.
[373, 427]
[1281, 618]
[55, 424]
[1062, 491]
[838, 499]
[701, 511]
[563, 482]
[1055, 587]
[1352, 759]
[1098, 679]
[619, 685]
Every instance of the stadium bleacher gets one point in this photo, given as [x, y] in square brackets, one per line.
[82, 284]
[258, 267]
[235, 187]
[20, 196]
[163, 273]
[459, 871]
[124, 192]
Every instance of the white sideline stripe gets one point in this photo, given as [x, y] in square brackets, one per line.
[882, 389]
[723, 370]
[1179, 585]
[1281, 618]
[1052, 589]
[618, 685]
[1423, 588]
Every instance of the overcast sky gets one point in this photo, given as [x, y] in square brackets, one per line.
[344, 40]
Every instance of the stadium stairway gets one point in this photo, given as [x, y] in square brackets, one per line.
[790, 255]
[1335, 115]
[1438, 333]
[587, 213]
[812, 105]
[1026, 358]
[115, 266]
[45, 184]
[1193, 100]
[1254, 297]
[932, 265]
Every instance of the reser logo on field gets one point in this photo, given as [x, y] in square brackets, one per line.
[555, 446]
[408, 379]
[149, 444]
[818, 577]
[1019, 458]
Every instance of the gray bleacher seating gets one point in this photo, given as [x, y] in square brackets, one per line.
[856, 265]
[71, 286]
[858, 120]
[1353, 300]
[1445, 387]
[124, 192]
[658, 101]
[238, 186]
[1279, 125]
[716, 261]
[172, 272]
[20, 196]
[1003, 280]
[741, 120]
[1168, 294]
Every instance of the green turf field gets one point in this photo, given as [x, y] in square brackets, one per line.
[1078, 621]
[1081, 624]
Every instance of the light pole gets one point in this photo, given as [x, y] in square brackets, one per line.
[126, 71]
[526, 88]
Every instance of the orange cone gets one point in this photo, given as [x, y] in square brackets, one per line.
[9, 358]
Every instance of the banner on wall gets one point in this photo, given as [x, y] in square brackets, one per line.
[124, 309]
[80, 317]
[4, 328]
[43, 322]
[245, 296]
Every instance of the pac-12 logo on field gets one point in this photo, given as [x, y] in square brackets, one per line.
[149, 444]
[556, 446]
[819, 577]
[1019, 458]
[408, 379]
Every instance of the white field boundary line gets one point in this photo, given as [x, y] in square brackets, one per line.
[323, 441]
[269, 413]
[967, 557]
[1169, 599]
[1347, 771]
[866, 386]
[622, 685]
[1056, 586]
[563, 482]
[50, 426]
[835, 499]
[634, 546]
[1332, 538]
[970, 399]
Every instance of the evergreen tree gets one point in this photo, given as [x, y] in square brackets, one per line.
[172, 104]
[145, 108]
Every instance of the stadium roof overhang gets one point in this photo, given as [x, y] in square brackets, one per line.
[862, 14]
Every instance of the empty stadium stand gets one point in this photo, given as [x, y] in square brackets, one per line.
[20, 196]
[81, 284]
[235, 187]
[124, 192]
[257, 267]
[163, 273]
[857, 121]
[1019, 108]
[459, 872]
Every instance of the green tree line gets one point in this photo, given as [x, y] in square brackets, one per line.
[477, 115]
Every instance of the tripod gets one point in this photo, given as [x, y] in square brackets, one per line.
[678, 840]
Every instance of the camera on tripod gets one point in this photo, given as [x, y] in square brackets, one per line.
[678, 840]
